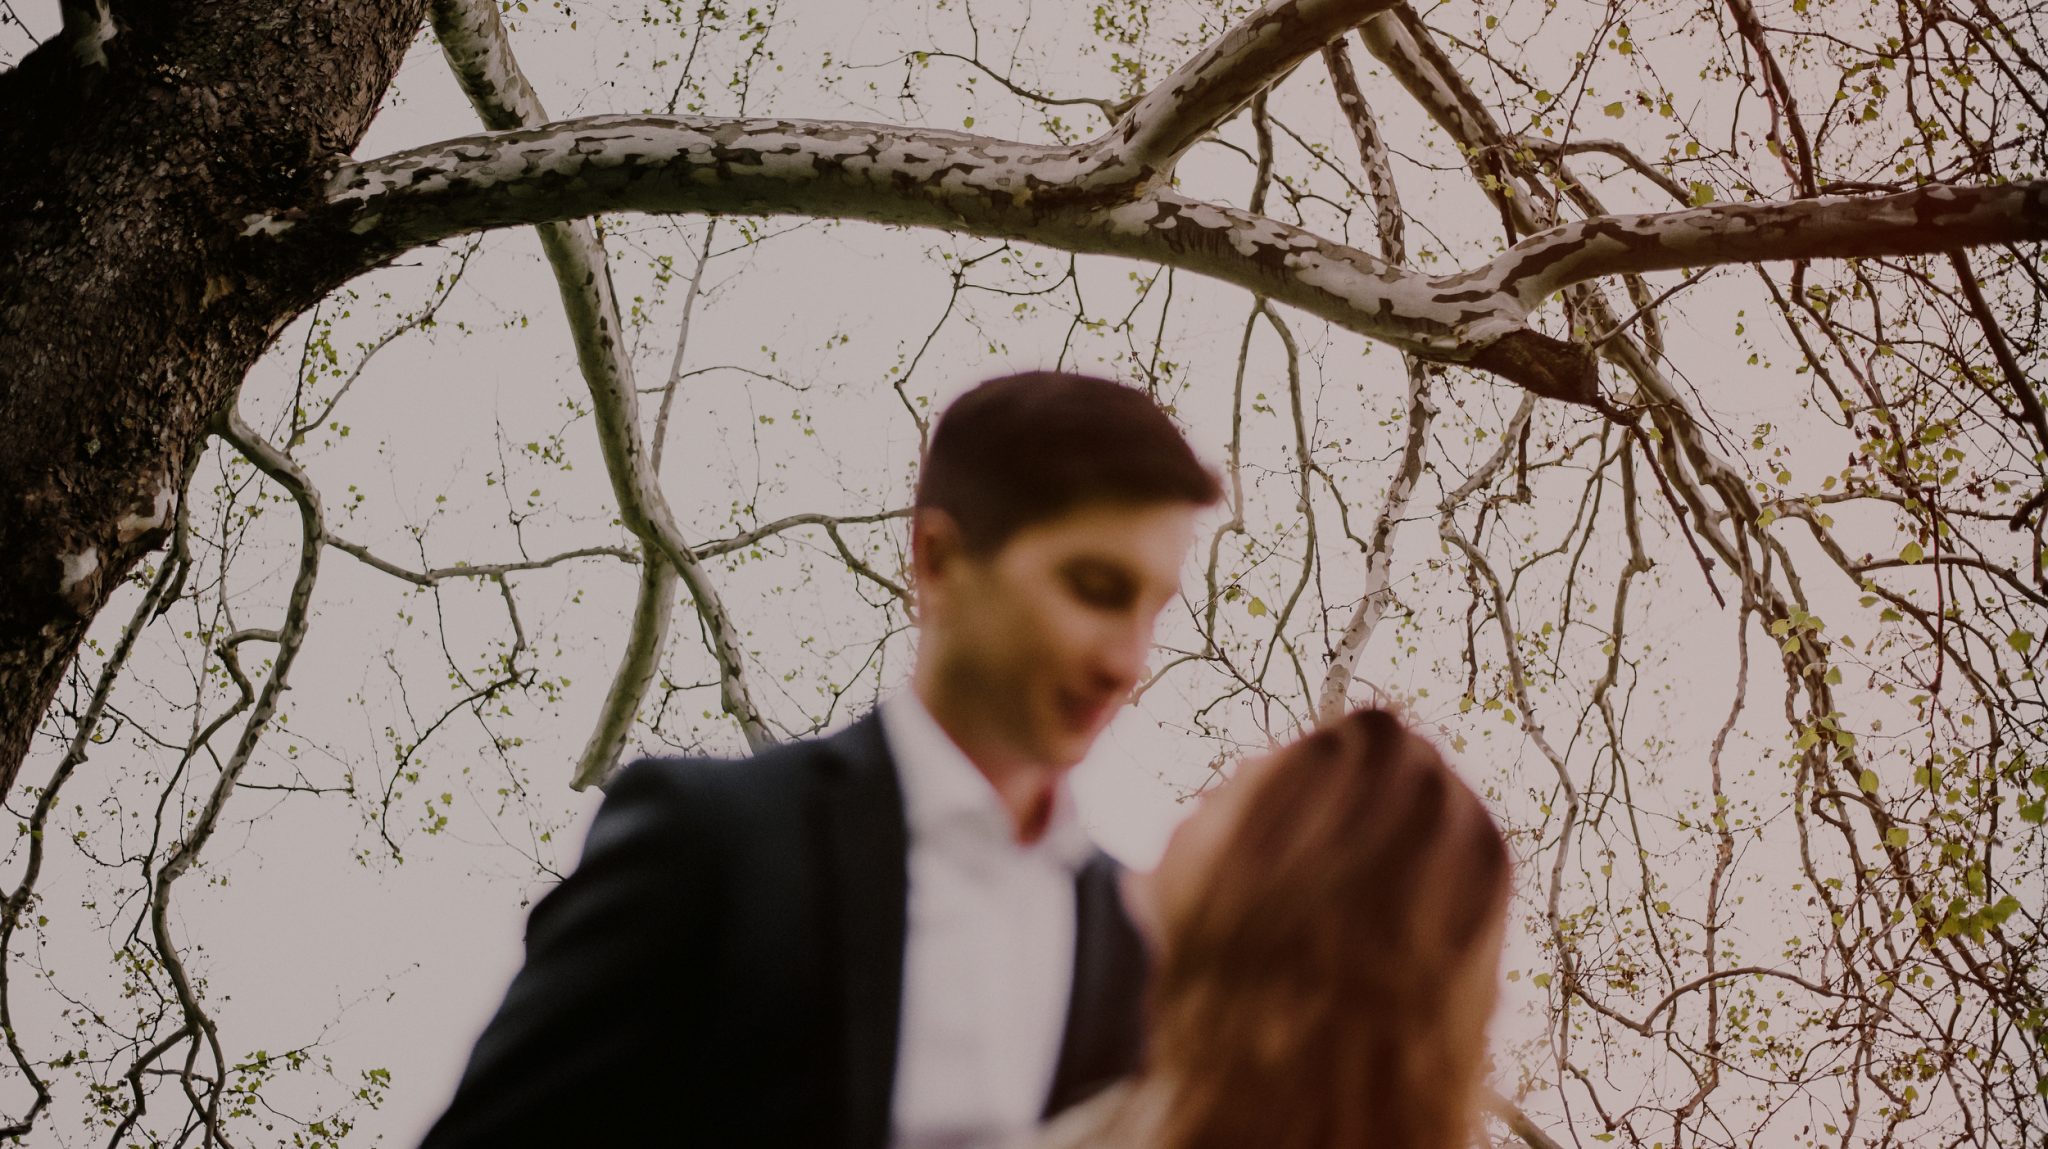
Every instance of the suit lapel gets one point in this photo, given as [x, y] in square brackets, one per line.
[1105, 1013]
[864, 884]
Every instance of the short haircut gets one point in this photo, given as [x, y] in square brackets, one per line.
[1025, 449]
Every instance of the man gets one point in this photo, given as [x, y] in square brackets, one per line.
[896, 937]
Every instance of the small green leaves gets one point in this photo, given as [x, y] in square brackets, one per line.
[1912, 553]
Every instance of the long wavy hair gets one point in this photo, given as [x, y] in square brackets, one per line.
[1332, 987]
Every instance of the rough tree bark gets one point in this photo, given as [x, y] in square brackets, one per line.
[132, 147]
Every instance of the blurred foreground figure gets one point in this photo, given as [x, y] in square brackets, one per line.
[897, 937]
[1329, 929]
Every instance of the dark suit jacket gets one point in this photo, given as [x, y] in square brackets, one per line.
[725, 967]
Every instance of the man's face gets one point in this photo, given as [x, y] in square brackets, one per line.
[1034, 648]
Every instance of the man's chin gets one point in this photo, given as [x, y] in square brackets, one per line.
[1065, 747]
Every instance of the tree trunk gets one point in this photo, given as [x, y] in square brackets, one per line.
[132, 147]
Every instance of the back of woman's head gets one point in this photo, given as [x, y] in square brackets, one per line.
[1330, 988]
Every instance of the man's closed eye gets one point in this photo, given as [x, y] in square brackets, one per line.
[1101, 585]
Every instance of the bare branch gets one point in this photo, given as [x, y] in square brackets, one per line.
[1784, 106]
[288, 638]
[1519, 1124]
[1112, 110]
[748, 538]
[431, 577]
[2001, 349]
[1555, 150]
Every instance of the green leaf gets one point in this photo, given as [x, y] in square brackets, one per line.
[1896, 837]
[1702, 194]
[2006, 907]
[1912, 553]
[1614, 109]
[1257, 606]
[1868, 781]
[2021, 640]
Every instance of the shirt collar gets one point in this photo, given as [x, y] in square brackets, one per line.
[944, 792]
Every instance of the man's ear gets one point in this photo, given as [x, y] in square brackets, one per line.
[936, 550]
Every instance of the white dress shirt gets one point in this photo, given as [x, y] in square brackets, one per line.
[988, 961]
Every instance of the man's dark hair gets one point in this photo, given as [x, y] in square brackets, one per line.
[1026, 449]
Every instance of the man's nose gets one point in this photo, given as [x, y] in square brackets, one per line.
[1124, 652]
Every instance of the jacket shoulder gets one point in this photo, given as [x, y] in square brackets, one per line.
[778, 774]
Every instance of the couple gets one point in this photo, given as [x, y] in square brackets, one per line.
[899, 937]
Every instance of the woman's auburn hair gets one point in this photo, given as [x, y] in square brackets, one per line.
[1332, 988]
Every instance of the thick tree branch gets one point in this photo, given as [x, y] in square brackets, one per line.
[2023, 388]
[646, 638]
[473, 38]
[474, 43]
[1209, 89]
[1400, 40]
[1930, 219]
[948, 180]
[88, 25]
[1085, 198]
[1334, 697]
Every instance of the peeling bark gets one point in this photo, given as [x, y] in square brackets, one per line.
[473, 39]
[1056, 196]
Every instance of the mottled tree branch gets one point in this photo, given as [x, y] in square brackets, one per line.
[977, 185]
[1334, 697]
[1197, 98]
[473, 38]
